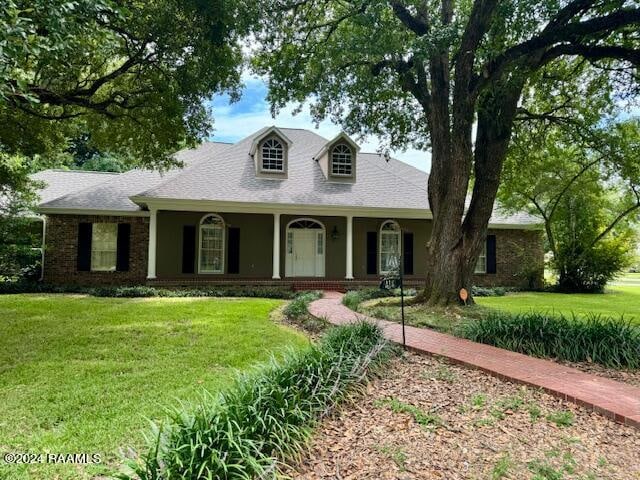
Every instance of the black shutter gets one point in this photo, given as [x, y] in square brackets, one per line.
[233, 251]
[408, 253]
[372, 253]
[124, 242]
[491, 254]
[189, 249]
[84, 247]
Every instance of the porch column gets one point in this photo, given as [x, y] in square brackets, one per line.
[349, 266]
[276, 246]
[151, 257]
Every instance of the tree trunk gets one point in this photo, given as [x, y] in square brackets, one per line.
[457, 235]
[447, 273]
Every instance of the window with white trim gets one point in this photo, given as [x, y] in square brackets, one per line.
[104, 247]
[341, 160]
[272, 155]
[389, 247]
[481, 264]
[212, 233]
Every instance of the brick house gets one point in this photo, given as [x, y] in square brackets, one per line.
[282, 206]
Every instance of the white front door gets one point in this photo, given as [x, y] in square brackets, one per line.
[304, 253]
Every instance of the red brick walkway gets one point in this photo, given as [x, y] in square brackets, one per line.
[616, 400]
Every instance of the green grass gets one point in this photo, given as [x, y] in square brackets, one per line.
[425, 419]
[616, 302]
[82, 374]
[630, 279]
[267, 416]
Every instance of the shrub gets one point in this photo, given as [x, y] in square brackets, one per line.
[353, 298]
[145, 291]
[266, 416]
[489, 291]
[613, 343]
[588, 270]
[299, 306]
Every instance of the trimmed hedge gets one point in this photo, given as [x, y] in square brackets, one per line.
[603, 340]
[266, 417]
[145, 291]
[491, 291]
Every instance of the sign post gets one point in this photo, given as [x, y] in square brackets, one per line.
[396, 280]
[401, 269]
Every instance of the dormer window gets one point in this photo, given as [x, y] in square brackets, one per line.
[341, 160]
[272, 155]
[338, 159]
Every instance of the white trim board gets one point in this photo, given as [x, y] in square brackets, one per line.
[89, 211]
[214, 206]
[297, 209]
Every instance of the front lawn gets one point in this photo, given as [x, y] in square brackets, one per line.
[81, 374]
[616, 302]
[628, 279]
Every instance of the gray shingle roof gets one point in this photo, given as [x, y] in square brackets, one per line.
[115, 192]
[226, 172]
[231, 176]
[61, 182]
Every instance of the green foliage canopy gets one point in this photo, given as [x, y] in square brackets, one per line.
[370, 64]
[133, 74]
[577, 167]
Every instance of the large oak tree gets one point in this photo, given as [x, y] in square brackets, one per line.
[133, 75]
[446, 75]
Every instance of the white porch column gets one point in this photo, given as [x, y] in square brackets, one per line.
[276, 246]
[349, 269]
[153, 237]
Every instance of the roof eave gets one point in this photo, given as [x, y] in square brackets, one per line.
[90, 211]
[289, 208]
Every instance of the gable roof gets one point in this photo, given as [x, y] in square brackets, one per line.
[220, 172]
[341, 136]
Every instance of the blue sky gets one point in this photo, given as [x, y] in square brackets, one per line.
[251, 113]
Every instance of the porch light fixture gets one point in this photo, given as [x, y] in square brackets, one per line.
[334, 233]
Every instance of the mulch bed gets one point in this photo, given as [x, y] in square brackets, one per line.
[428, 419]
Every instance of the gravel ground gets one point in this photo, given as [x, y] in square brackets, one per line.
[428, 419]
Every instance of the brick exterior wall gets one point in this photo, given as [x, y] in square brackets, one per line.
[519, 260]
[61, 253]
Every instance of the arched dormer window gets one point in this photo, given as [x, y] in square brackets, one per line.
[389, 247]
[212, 239]
[272, 155]
[342, 160]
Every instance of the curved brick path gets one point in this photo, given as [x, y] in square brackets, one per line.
[616, 400]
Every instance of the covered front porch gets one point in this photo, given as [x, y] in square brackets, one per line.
[303, 249]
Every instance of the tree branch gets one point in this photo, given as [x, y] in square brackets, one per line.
[593, 52]
[573, 180]
[571, 33]
[417, 25]
[613, 224]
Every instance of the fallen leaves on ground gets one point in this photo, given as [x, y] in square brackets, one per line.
[427, 419]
